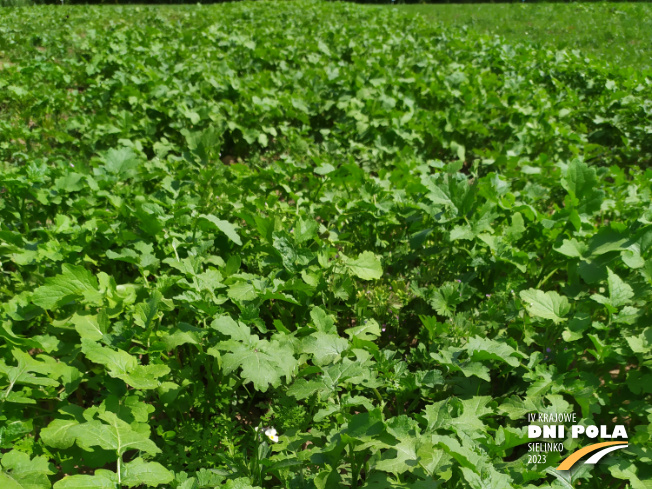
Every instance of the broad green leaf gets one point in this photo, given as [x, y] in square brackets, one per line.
[638, 382]
[632, 257]
[365, 426]
[448, 358]
[486, 349]
[122, 161]
[263, 366]
[145, 376]
[146, 312]
[227, 326]
[224, 226]
[445, 299]
[581, 183]
[118, 362]
[262, 362]
[189, 484]
[282, 243]
[576, 327]
[641, 343]
[333, 376]
[366, 266]
[242, 291]
[305, 229]
[57, 434]
[21, 472]
[122, 365]
[608, 240]
[465, 455]
[240, 483]
[139, 472]
[369, 330]
[180, 337]
[103, 479]
[23, 373]
[324, 322]
[75, 282]
[325, 348]
[402, 457]
[486, 479]
[620, 293]
[451, 190]
[112, 434]
[8, 482]
[324, 169]
[573, 248]
[92, 328]
[437, 415]
[469, 421]
[303, 389]
[547, 305]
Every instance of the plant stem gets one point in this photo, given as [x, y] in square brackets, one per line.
[545, 279]
[355, 467]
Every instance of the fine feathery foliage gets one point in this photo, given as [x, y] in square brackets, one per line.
[315, 245]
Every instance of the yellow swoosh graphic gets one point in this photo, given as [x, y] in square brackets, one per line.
[569, 461]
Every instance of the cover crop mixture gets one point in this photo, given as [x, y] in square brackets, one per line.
[308, 245]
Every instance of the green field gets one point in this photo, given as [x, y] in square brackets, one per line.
[310, 245]
[617, 33]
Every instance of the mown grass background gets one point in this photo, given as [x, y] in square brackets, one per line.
[617, 33]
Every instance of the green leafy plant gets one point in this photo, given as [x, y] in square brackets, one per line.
[389, 241]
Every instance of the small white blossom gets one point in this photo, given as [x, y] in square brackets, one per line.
[271, 434]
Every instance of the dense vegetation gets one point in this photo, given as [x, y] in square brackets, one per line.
[314, 245]
[617, 33]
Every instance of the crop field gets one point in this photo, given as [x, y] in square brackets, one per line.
[618, 34]
[318, 245]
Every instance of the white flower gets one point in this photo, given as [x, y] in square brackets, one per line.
[271, 434]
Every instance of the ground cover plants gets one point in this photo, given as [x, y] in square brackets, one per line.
[313, 245]
[616, 33]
